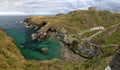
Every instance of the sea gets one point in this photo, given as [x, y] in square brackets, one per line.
[22, 36]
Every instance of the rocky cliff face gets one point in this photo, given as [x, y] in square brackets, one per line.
[115, 63]
[77, 30]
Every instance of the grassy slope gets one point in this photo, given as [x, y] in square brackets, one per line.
[9, 54]
[77, 21]
[111, 35]
[10, 57]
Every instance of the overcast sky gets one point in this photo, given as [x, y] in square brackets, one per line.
[45, 7]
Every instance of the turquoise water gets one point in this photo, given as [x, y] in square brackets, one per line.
[22, 35]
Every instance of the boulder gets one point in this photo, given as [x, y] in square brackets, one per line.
[34, 36]
[44, 50]
[115, 63]
[68, 40]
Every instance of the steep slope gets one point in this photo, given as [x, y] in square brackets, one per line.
[115, 63]
[10, 56]
[72, 30]
[11, 59]
[75, 30]
[77, 21]
[110, 35]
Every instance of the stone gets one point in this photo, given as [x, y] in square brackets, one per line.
[34, 36]
[92, 54]
[108, 68]
[115, 63]
[68, 40]
[44, 50]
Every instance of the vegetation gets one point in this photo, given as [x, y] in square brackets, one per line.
[111, 35]
[78, 21]
[74, 22]
[74, 46]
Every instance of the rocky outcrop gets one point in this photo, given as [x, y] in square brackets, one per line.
[44, 32]
[79, 26]
[115, 63]
[70, 56]
[87, 53]
[44, 50]
[60, 33]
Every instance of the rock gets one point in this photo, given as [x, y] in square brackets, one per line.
[36, 27]
[22, 45]
[108, 68]
[41, 36]
[92, 54]
[86, 52]
[115, 63]
[44, 50]
[34, 36]
[68, 40]
[69, 56]
[62, 31]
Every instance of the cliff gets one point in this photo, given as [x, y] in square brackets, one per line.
[115, 63]
[81, 32]
[10, 55]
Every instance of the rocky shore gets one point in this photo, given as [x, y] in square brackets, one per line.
[59, 34]
[80, 34]
[89, 40]
[73, 50]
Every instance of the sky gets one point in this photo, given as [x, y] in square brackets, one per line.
[52, 7]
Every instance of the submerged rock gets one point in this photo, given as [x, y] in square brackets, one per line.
[22, 45]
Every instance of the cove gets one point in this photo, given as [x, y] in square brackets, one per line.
[22, 35]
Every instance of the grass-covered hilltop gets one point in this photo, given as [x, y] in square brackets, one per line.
[89, 40]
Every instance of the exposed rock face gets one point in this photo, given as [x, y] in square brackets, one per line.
[88, 53]
[60, 33]
[70, 56]
[43, 32]
[108, 68]
[115, 63]
[75, 26]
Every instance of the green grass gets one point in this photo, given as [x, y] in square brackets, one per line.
[75, 22]
[111, 35]
[79, 20]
